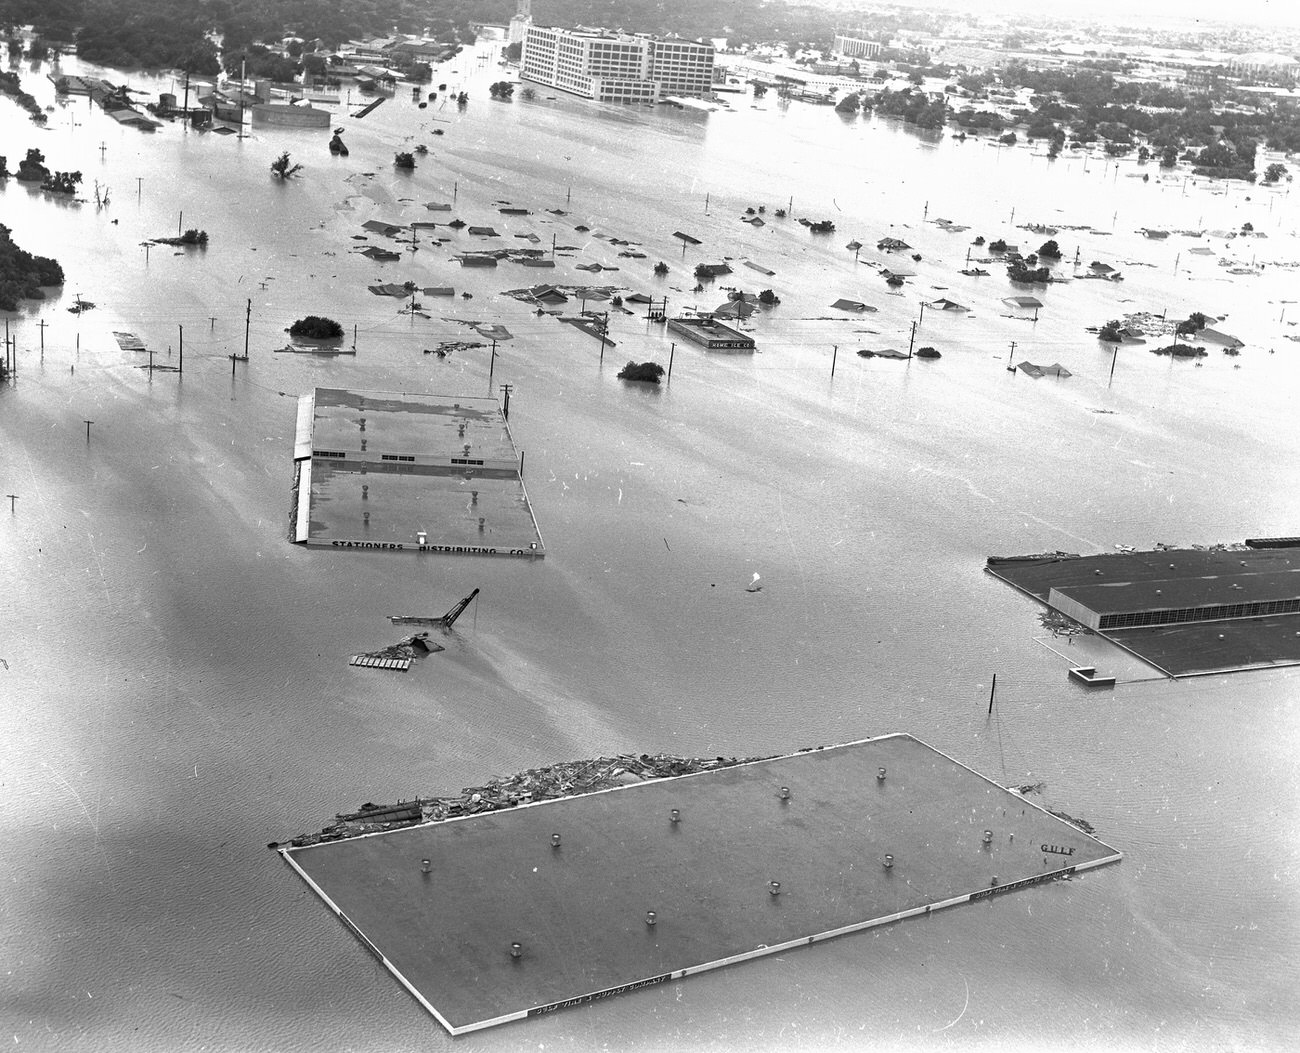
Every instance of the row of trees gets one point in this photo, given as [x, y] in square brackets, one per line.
[22, 274]
[1088, 104]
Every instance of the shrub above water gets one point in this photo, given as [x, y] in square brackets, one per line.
[316, 327]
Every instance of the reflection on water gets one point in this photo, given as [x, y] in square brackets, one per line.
[178, 692]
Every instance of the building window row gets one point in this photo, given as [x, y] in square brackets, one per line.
[1209, 613]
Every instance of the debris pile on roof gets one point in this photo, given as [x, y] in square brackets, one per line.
[566, 779]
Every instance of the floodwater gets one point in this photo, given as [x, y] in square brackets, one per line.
[178, 695]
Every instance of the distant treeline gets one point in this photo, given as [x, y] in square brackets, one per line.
[183, 33]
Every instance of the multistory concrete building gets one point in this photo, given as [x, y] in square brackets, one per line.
[615, 67]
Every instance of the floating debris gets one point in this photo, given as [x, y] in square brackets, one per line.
[399, 655]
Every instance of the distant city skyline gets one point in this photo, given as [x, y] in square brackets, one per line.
[1266, 13]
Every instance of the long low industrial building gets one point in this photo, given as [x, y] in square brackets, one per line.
[711, 334]
[1174, 601]
[398, 471]
[1184, 611]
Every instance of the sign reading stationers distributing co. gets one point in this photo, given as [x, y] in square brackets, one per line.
[400, 472]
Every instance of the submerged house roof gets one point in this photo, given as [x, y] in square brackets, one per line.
[1036, 371]
[735, 309]
[1027, 302]
[1216, 337]
[944, 304]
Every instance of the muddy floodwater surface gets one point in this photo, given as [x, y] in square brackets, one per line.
[178, 694]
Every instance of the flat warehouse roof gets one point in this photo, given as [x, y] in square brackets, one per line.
[390, 470]
[1212, 647]
[579, 910]
[1116, 597]
[1125, 582]
[400, 422]
[1037, 575]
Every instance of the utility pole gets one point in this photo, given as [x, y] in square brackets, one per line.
[505, 407]
[12, 499]
[911, 340]
[139, 182]
[603, 330]
[1113, 358]
[671, 351]
[88, 424]
[492, 365]
[991, 690]
[1010, 356]
[248, 321]
[43, 323]
[835, 350]
[180, 366]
